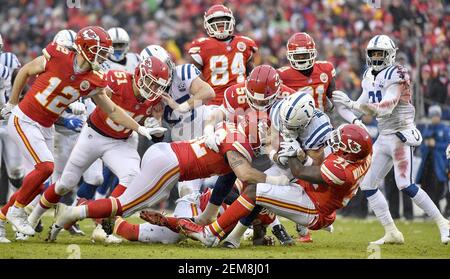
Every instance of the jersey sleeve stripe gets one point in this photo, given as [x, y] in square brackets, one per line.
[189, 71]
[182, 72]
[316, 132]
[242, 150]
[325, 171]
[321, 136]
[391, 72]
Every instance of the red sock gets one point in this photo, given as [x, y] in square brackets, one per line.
[104, 208]
[118, 191]
[241, 207]
[11, 201]
[127, 230]
[50, 198]
[33, 181]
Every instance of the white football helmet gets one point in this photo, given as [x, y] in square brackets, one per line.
[66, 38]
[385, 44]
[160, 53]
[296, 111]
[121, 43]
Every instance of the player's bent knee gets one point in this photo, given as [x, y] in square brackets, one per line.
[411, 190]
[66, 183]
[16, 173]
[46, 168]
[96, 180]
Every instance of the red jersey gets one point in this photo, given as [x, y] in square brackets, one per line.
[342, 180]
[198, 161]
[121, 83]
[223, 62]
[58, 86]
[316, 84]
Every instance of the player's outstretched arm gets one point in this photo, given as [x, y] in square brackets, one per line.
[32, 68]
[309, 173]
[201, 91]
[247, 174]
[117, 114]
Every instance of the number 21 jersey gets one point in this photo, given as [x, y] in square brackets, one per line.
[58, 86]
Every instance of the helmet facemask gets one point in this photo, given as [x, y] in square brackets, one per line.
[301, 59]
[220, 27]
[380, 62]
[120, 51]
[260, 104]
[149, 87]
[100, 53]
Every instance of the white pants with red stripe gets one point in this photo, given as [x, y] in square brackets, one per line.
[64, 144]
[34, 141]
[291, 201]
[10, 154]
[159, 174]
[120, 156]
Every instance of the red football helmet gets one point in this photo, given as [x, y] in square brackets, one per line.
[219, 22]
[351, 142]
[301, 51]
[94, 43]
[262, 87]
[152, 77]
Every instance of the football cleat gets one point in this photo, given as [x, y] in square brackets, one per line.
[3, 238]
[394, 237]
[198, 232]
[18, 218]
[39, 227]
[21, 237]
[279, 231]
[159, 219]
[63, 215]
[445, 234]
[112, 239]
[230, 245]
[75, 230]
[53, 233]
[305, 238]
[98, 234]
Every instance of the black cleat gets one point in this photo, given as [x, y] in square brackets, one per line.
[39, 228]
[282, 235]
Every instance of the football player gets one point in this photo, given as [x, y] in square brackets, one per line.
[121, 58]
[63, 77]
[103, 138]
[164, 164]
[315, 77]
[224, 59]
[315, 196]
[185, 111]
[388, 96]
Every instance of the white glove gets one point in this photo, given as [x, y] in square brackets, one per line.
[184, 107]
[78, 108]
[280, 160]
[360, 124]
[342, 98]
[6, 110]
[156, 130]
[289, 148]
[151, 122]
[145, 132]
[278, 180]
[212, 140]
[448, 151]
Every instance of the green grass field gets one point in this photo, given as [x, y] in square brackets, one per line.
[349, 240]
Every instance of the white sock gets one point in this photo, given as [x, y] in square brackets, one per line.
[379, 205]
[236, 234]
[80, 212]
[422, 200]
[36, 214]
[208, 215]
[274, 223]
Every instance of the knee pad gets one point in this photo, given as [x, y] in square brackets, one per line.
[66, 183]
[96, 180]
[411, 190]
[16, 173]
[46, 168]
[368, 193]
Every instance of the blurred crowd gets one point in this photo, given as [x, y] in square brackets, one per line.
[341, 29]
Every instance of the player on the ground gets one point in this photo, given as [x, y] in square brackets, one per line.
[387, 95]
[185, 109]
[315, 77]
[103, 138]
[313, 199]
[63, 77]
[164, 164]
[121, 58]
[224, 59]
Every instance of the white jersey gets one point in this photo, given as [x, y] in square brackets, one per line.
[374, 90]
[8, 63]
[180, 91]
[315, 134]
[129, 63]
